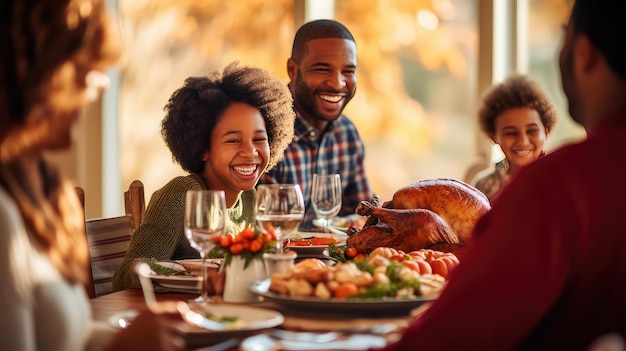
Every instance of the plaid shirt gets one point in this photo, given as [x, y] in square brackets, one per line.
[339, 151]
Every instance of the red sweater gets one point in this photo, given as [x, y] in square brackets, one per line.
[547, 267]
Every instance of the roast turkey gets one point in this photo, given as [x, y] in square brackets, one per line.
[435, 213]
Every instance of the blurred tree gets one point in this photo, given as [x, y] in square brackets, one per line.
[415, 102]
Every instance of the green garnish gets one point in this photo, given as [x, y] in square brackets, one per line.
[336, 253]
[389, 290]
[395, 288]
[224, 319]
[162, 270]
[231, 322]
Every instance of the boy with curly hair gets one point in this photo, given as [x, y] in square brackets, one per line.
[518, 116]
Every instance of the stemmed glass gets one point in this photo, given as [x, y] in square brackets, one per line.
[326, 197]
[279, 206]
[205, 217]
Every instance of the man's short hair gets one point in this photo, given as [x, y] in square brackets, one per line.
[603, 21]
[317, 29]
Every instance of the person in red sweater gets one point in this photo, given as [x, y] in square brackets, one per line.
[547, 266]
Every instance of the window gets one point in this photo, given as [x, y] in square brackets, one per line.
[420, 74]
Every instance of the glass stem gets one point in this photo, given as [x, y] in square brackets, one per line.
[279, 239]
[325, 225]
[204, 294]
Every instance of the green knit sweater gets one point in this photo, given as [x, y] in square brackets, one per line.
[161, 234]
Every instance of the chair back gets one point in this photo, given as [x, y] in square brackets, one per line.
[109, 239]
[135, 203]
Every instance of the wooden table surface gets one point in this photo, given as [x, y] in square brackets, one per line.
[107, 306]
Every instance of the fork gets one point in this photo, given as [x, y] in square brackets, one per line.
[143, 271]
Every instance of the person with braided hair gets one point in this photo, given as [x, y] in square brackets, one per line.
[225, 129]
[52, 55]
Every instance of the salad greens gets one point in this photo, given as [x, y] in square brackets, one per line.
[395, 288]
[162, 270]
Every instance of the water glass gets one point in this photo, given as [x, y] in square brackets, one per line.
[205, 217]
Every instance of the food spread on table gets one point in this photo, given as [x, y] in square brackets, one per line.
[438, 214]
[311, 244]
[384, 273]
[314, 241]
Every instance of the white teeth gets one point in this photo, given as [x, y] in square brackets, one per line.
[522, 153]
[331, 98]
[245, 170]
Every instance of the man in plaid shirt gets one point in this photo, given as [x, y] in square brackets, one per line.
[322, 69]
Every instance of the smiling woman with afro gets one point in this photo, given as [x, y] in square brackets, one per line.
[226, 130]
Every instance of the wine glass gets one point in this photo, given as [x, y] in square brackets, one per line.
[326, 197]
[279, 206]
[205, 217]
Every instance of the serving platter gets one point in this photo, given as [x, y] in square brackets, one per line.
[314, 250]
[385, 306]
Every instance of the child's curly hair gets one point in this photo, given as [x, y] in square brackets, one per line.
[193, 111]
[515, 91]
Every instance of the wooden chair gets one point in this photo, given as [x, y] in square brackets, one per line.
[108, 239]
[135, 203]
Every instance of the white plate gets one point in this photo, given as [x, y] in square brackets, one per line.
[191, 283]
[315, 250]
[254, 319]
[338, 225]
[264, 342]
[331, 228]
[354, 306]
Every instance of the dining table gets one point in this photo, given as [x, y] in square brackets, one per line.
[108, 308]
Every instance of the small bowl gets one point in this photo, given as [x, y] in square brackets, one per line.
[276, 262]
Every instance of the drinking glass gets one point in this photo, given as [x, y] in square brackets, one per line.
[326, 197]
[205, 217]
[279, 206]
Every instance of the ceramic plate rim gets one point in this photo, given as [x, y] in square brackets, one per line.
[174, 278]
[261, 287]
[343, 229]
[316, 250]
[272, 319]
